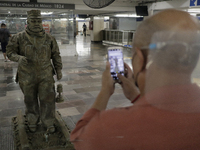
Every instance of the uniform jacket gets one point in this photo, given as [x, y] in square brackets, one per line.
[38, 57]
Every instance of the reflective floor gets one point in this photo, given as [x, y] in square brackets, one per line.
[83, 64]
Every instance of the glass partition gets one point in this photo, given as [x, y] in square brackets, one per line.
[14, 23]
[59, 24]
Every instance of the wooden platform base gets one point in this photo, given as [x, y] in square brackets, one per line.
[25, 140]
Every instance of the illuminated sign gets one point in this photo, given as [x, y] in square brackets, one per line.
[37, 5]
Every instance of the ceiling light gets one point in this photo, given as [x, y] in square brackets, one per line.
[106, 18]
[128, 15]
[46, 13]
[79, 19]
[193, 10]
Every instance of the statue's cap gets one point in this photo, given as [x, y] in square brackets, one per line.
[34, 14]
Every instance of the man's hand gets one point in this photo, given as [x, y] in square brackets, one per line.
[107, 90]
[128, 84]
[59, 74]
[108, 84]
[22, 60]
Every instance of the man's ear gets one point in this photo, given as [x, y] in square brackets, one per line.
[141, 58]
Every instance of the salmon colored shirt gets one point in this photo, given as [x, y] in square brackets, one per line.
[144, 126]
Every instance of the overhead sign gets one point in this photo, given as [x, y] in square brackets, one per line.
[194, 2]
[37, 5]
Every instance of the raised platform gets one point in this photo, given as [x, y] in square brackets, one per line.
[25, 140]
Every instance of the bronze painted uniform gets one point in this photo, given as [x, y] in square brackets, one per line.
[36, 79]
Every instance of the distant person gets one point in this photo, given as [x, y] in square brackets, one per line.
[69, 31]
[52, 29]
[4, 38]
[84, 29]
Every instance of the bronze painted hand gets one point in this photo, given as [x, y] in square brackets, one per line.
[59, 74]
[22, 60]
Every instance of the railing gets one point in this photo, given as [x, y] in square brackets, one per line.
[118, 37]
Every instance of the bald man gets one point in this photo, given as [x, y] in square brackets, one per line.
[165, 114]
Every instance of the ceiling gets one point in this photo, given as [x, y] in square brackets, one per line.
[118, 6]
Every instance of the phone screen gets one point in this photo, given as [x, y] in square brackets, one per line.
[115, 57]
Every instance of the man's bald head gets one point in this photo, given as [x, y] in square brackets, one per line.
[167, 20]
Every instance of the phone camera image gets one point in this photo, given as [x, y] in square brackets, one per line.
[115, 57]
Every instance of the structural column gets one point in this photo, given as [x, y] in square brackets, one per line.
[96, 27]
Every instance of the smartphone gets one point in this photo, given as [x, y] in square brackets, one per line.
[116, 59]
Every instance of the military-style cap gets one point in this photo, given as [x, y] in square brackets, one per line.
[34, 14]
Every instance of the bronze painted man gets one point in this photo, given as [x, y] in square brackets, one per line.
[37, 54]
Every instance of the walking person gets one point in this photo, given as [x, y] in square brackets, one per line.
[4, 38]
[84, 29]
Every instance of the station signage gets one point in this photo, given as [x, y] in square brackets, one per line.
[37, 5]
[194, 2]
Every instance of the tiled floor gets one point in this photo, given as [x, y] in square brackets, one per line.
[81, 81]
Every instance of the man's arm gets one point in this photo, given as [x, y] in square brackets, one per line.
[107, 89]
[9, 35]
[12, 49]
[102, 128]
[96, 124]
[56, 58]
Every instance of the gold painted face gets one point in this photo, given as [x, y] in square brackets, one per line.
[35, 24]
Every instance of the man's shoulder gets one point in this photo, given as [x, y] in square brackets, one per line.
[19, 34]
[49, 36]
[2, 30]
[7, 30]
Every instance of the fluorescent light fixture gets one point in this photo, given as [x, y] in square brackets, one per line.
[193, 14]
[65, 19]
[194, 10]
[79, 19]
[46, 13]
[106, 17]
[128, 15]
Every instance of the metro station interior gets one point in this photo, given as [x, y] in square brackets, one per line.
[83, 57]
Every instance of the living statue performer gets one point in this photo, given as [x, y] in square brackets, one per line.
[38, 57]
